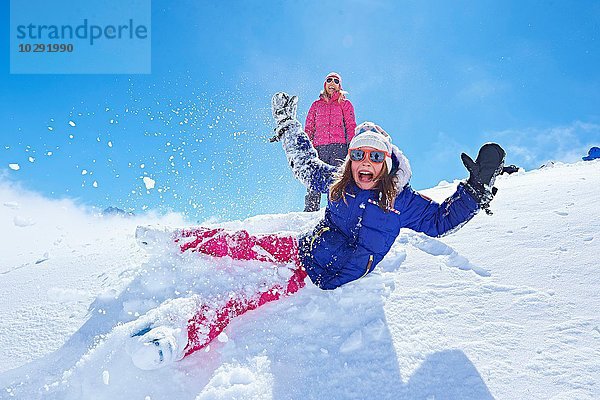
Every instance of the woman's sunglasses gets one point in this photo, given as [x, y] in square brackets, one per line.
[370, 128]
[336, 80]
[376, 156]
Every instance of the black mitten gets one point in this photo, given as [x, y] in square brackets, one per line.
[483, 172]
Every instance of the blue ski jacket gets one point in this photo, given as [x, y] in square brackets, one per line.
[357, 233]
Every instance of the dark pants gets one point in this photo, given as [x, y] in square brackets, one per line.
[332, 154]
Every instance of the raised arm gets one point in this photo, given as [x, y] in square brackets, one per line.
[301, 155]
[422, 214]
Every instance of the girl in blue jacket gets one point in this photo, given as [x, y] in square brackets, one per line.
[370, 200]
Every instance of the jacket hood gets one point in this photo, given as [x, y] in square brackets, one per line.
[400, 167]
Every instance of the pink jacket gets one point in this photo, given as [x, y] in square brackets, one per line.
[330, 121]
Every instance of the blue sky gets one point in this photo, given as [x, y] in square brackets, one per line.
[440, 77]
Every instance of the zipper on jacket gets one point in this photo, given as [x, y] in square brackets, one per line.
[316, 235]
[368, 266]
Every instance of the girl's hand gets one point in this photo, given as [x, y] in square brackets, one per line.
[483, 172]
[284, 106]
[284, 109]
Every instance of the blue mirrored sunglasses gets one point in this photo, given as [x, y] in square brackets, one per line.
[376, 156]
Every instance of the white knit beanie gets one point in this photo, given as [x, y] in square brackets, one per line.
[369, 134]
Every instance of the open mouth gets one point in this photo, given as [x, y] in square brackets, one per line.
[365, 177]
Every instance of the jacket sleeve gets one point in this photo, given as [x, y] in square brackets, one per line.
[349, 119]
[422, 214]
[310, 126]
[304, 160]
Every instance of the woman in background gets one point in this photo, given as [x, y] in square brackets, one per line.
[330, 125]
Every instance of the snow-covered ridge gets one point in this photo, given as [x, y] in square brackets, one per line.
[504, 308]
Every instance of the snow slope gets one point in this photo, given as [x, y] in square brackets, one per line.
[505, 308]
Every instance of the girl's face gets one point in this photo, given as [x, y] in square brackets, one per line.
[332, 87]
[365, 171]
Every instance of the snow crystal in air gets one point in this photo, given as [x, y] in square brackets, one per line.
[84, 172]
[14, 167]
[31, 159]
[149, 182]
[11, 204]
[71, 123]
[95, 184]
[23, 222]
[109, 143]
[223, 338]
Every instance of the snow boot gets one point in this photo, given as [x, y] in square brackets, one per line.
[153, 348]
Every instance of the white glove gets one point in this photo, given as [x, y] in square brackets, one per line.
[284, 110]
[284, 106]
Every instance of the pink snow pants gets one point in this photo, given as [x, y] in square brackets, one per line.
[208, 323]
